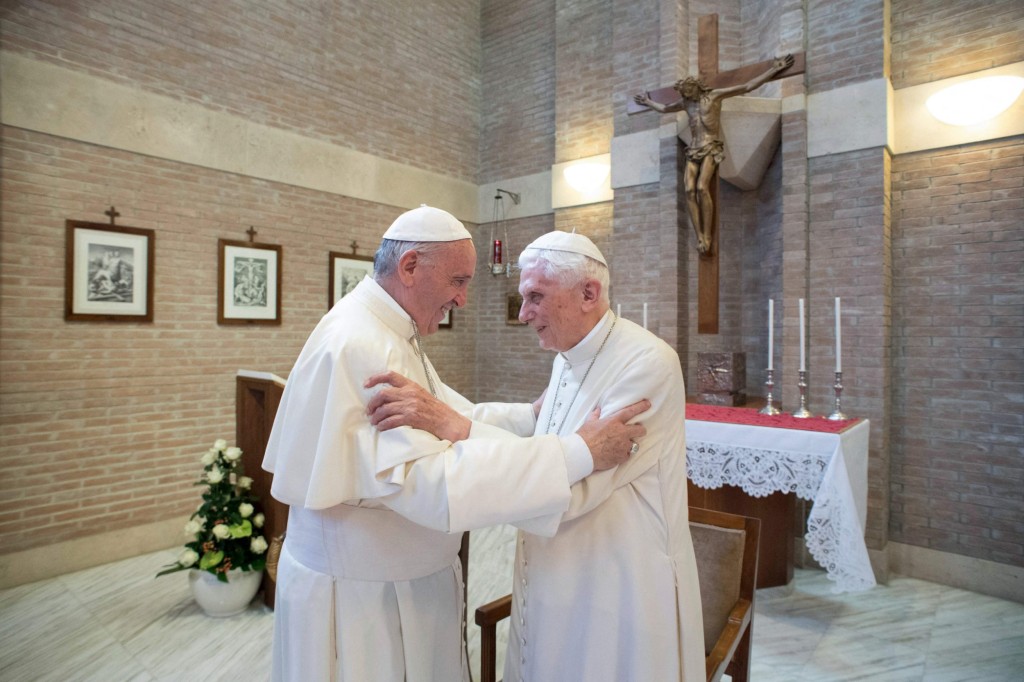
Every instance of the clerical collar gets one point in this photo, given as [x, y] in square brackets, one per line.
[390, 313]
[588, 347]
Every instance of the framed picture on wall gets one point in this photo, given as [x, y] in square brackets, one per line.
[513, 303]
[346, 270]
[248, 283]
[108, 272]
[446, 321]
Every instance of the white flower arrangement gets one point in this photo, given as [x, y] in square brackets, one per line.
[231, 540]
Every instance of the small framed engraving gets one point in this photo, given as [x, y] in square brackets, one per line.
[248, 283]
[108, 272]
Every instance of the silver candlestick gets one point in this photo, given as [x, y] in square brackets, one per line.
[803, 412]
[769, 408]
[837, 413]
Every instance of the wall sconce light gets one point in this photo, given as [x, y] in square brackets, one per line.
[583, 181]
[500, 261]
[586, 177]
[976, 101]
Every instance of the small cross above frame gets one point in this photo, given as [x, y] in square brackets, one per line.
[252, 233]
[112, 213]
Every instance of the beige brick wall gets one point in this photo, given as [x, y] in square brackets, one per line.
[497, 90]
[102, 423]
[411, 67]
[958, 312]
[846, 43]
[517, 90]
[935, 40]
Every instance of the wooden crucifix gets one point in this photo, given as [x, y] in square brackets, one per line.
[701, 98]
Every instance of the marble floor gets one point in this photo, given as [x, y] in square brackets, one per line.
[117, 622]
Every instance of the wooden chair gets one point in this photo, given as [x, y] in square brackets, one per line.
[726, 549]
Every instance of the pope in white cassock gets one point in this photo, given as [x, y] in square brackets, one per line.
[369, 584]
[613, 596]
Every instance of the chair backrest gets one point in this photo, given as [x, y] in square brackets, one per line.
[720, 570]
[726, 550]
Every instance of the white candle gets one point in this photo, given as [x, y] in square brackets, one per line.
[645, 314]
[839, 340]
[771, 329]
[803, 366]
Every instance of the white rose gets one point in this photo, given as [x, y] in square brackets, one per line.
[220, 531]
[187, 558]
[215, 475]
[232, 454]
[208, 458]
[258, 520]
[193, 527]
[245, 509]
[258, 545]
[220, 444]
[244, 482]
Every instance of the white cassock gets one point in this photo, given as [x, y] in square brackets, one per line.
[369, 584]
[613, 596]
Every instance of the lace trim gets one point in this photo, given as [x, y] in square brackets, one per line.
[834, 536]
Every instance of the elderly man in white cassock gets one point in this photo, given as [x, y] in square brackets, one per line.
[613, 595]
[369, 584]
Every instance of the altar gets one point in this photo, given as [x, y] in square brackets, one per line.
[818, 460]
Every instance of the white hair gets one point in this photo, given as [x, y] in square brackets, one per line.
[570, 269]
[385, 261]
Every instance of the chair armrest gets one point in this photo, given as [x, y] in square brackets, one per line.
[492, 612]
[718, 660]
[487, 617]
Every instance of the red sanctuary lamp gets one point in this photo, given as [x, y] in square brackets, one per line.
[499, 247]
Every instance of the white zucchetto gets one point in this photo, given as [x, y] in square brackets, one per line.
[570, 242]
[427, 224]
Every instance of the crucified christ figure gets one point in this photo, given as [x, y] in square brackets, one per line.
[703, 107]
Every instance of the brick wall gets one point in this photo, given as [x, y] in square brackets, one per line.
[935, 40]
[517, 89]
[323, 69]
[583, 78]
[103, 422]
[849, 249]
[846, 43]
[958, 250]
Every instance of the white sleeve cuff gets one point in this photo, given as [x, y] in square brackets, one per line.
[579, 463]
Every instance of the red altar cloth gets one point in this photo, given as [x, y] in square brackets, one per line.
[743, 415]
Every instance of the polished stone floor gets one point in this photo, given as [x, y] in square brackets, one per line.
[116, 622]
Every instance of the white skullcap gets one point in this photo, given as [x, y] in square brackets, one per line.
[570, 242]
[427, 224]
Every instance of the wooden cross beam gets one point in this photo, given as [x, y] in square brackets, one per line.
[112, 213]
[252, 233]
[731, 83]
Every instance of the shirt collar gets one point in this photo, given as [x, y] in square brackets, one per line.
[588, 347]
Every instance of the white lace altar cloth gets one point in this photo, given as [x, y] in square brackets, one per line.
[827, 468]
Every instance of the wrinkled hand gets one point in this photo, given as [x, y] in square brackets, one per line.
[403, 402]
[610, 438]
[644, 99]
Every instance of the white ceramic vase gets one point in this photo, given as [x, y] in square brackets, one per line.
[219, 599]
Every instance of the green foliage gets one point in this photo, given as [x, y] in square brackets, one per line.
[225, 529]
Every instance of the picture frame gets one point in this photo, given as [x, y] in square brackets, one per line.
[108, 272]
[446, 321]
[345, 271]
[513, 303]
[248, 283]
